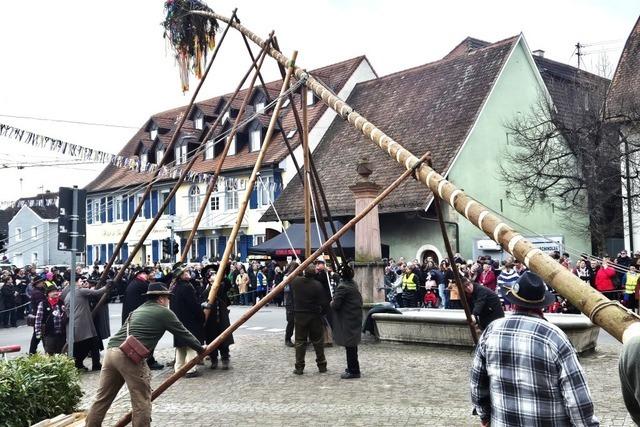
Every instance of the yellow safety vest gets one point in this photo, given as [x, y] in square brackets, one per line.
[630, 285]
[408, 283]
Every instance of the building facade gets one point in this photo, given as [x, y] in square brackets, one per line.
[456, 108]
[33, 237]
[115, 193]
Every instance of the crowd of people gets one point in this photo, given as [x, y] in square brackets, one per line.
[432, 285]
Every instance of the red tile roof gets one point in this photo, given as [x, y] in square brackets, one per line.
[113, 177]
[624, 94]
[431, 107]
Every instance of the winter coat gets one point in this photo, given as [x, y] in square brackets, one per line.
[485, 305]
[488, 279]
[347, 314]
[242, 280]
[37, 296]
[604, 279]
[186, 305]
[83, 322]
[309, 296]
[134, 296]
[218, 319]
[101, 319]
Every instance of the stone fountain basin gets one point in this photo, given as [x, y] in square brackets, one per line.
[449, 327]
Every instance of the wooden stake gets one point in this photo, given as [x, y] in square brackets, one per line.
[307, 190]
[272, 294]
[254, 174]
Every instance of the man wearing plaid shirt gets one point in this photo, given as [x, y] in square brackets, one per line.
[525, 371]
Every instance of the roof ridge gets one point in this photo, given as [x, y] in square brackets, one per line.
[439, 61]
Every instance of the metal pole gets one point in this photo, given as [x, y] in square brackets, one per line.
[72, 274]
[172, 256]
[275, 291]
[629, 204]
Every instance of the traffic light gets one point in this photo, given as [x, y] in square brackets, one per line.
[176, 248]
[166, 245]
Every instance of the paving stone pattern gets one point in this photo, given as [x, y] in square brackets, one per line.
[401, 385]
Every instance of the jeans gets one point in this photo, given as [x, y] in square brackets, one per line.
[443, 295]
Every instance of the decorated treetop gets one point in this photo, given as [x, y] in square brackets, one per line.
[191, 36]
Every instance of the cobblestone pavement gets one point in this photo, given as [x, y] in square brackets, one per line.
[401, 385]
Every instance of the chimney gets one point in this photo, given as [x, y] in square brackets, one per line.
[539, 52]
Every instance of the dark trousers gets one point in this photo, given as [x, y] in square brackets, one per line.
[224, 353]
[33, 346]
[409, 298]
[353, 365]
[81, 350]
[9, 317]
[290, 324]
[309, 325]
[53, 344]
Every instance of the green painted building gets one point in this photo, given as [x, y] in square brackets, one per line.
[456, 108]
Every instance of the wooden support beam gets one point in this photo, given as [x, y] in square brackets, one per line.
[307, 190]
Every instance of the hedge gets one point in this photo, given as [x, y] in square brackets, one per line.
[34, 388]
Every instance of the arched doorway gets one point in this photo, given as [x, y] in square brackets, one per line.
[427, 251]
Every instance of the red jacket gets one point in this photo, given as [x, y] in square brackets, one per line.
[604, 279]
[488, 279]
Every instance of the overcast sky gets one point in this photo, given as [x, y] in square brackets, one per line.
[106, 62]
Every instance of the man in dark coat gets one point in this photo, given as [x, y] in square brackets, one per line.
[289, 308]
[134, 297]
[310, 303]
[218, 319]
[485, 303]
[346, 307]
[37, 296]
[186, 305]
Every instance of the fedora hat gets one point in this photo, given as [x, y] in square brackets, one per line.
[530, 292]
[178, 268]
[157, 289]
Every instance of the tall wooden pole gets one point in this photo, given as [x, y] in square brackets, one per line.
[126, 419]
[610, 315]
[252, 181]
[307, 190]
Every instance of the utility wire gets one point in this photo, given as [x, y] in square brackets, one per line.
[75, 122]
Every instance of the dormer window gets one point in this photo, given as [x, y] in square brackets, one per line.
[153, 132]
[181, 153]
[198, 121]
[255, 138]
[159, 154]
[225, 117]
[260, 106]
[310, 97]
[144, 159]
[208, 150]
[232, 147]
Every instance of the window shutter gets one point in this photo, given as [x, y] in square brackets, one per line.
[132, 206]
[147, 208]
[172, 206]
[154, 203]
[109, 250]
[277, 180]
[222, 244]
[103, 253]
[110, 209]
[89, 211]
[202, 247]
[124, 251]
[154, 251]
[253, 201]
[89, 255]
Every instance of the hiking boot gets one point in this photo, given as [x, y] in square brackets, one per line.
[155, 366]
[214, 363]
[349, 376]
[298, 371]
[225, 364]
[322, 369]
[288, 343]
[192, 374]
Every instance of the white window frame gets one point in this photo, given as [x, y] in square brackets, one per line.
[258, 239]
[214, 206]
[34, 233]
[213, 247]
[286, 103]
[159, 155]
[162, 196]
[232, 148]
[265, 192]
[96, 211]
[34, 257]
[194, 199]
[181, 153]
[255, 138]
[117, 205]
[144, 159]
[259, 106]
[209, 149]
[291, 133]
[19, 234]
[225, 117]
[153, 132]
[198, 121]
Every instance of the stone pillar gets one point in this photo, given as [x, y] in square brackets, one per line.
[369, 267]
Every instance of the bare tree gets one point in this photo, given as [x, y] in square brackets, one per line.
[566, 153]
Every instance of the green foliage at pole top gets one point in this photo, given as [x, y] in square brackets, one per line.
[190, 36]
[38, 387]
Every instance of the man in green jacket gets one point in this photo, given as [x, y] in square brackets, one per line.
[147, 323]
